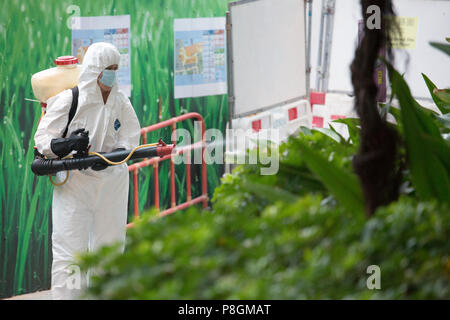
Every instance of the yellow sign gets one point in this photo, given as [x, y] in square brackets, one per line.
[406, 38]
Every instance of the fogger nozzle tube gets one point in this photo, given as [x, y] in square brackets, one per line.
[41, 166]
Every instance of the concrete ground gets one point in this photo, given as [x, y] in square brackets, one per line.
[39, 295]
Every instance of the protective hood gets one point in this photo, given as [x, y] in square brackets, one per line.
[98, 57]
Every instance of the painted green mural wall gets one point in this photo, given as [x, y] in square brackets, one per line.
[32, 34]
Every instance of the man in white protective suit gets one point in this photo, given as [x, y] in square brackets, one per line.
[90, 209]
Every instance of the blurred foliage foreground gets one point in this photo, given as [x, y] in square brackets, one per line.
[303, 233]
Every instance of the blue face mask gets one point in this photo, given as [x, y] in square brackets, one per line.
[108, 77]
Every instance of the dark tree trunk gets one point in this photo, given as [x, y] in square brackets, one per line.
[376, 161]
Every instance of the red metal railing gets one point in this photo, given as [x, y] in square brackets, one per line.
[134, 168]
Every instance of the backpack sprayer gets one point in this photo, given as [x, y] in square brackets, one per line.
[51, 82]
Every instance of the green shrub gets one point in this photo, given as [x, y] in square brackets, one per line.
[244, 187]
[306, 249]
[281, 237]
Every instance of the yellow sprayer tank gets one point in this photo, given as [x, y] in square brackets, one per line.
[50, 82]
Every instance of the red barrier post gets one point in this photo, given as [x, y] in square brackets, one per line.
[156, 184]
[204, 178]
[136, 193]
[188, 176]
[155, 163]
[172, 171]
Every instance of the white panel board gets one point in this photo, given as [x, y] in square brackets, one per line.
[268, 53]
[433, 25]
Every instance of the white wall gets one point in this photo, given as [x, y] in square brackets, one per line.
[433, 25]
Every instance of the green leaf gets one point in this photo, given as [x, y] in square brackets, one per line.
[330, 134]
[353, 125]
[444, 120]
[443, 94]
[396, 113]
[438, 98]
[441, 46]
[341, 183]
[306, 131]
[384, 109]
[335, 131]
[426, 118]
[269, 192]
[429, 175]
[439, 147]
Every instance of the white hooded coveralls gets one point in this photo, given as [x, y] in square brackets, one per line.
[90, 209]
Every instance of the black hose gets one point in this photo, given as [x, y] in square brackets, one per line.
[42, 167]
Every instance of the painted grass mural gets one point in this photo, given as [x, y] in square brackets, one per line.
[32, 34]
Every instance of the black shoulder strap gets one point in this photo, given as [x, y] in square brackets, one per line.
[73, 108]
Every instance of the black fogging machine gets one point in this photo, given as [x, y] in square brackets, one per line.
[42, 166]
